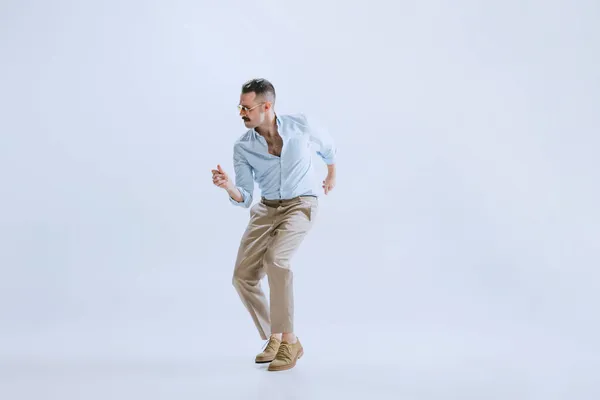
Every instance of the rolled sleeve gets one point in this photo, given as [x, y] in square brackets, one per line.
[320, 136]
[244, 179]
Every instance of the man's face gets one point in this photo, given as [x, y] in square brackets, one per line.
[252, 110]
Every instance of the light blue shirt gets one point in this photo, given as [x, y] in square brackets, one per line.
[282, 177]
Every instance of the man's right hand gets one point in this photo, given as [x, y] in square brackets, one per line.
[221, 179]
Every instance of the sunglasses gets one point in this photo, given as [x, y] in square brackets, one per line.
[246, 109]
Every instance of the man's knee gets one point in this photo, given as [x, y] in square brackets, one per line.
[238, 277]
[274, 262]
[242, 278]
[270, 259]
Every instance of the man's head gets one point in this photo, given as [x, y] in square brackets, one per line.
[256, 102]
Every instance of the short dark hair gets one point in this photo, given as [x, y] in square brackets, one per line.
[261, 87]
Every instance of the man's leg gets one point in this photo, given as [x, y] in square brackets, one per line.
[294, 220]
[249, 269]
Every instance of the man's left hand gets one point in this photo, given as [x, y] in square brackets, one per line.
[329, 183]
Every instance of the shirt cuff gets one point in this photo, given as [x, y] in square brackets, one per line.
[328, 160]
[247, 199]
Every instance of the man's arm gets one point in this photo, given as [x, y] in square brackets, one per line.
[329, 182]
[326, 149]
[235, 194]
[331, 169]
[240, 192]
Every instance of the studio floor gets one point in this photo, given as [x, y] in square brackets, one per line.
[137, 363]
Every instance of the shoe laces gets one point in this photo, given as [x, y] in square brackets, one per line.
[285, 352]
[271, 345]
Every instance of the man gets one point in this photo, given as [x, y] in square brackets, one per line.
[276, 153]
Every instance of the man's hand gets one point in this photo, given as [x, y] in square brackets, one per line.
[329, 183]
[220, 178]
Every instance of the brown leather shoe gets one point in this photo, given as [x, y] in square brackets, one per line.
[287, 355]
[269, 352]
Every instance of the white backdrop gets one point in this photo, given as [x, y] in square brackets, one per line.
[460, 249]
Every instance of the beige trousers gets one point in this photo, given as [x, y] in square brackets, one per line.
[274, 233]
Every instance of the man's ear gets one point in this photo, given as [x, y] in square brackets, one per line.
[268, 105]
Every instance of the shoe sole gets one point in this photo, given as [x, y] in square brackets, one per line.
[289, 366]
[262, 362]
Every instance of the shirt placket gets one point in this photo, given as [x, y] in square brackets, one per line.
[281, 168]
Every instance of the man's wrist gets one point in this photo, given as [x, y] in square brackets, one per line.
[331, 169]
[234, 193]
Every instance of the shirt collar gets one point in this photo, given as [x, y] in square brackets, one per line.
[277, 121]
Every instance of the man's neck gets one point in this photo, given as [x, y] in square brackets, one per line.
[268, 130]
